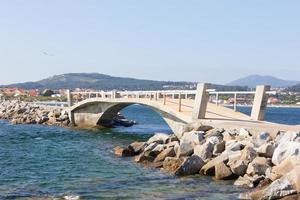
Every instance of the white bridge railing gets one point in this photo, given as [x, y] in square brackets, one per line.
[166, 95]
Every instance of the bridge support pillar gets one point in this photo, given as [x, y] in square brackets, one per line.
[70, 98]
[201, 100]
[260, 102]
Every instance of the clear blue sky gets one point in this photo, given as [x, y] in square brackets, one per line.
[193, 40]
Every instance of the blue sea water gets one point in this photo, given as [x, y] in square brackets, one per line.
[42, 162]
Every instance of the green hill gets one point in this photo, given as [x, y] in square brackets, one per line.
[106, 82]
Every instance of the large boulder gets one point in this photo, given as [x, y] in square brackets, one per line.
[209, 167]
[294, 177]
[233, 145]
[278, 189]
[261, 139]
[248, 154]
[284, 150]
[219, 148]
[143, 157]
[285, 166]
[289, 136]
[171, 164]
[238, 167]
[137, 147]
[123, 152]
[188, 141]
[258, 166]
[190, 165]
[243, 134]
[159, 138]
[267, 149]
[215, 132]
[248, 181]
[222, 172]
[169, 152]
[204, 151]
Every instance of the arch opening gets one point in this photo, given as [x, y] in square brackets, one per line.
[147, 118]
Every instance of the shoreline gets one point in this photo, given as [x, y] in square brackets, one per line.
[268, 106]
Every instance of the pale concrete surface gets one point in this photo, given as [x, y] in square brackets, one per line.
[260, 102]
[89, 112]
[200, 103]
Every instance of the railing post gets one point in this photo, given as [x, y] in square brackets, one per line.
[156, 96]
[165, 98]
[217, 99]
[201, 100]
[235, 101]
[70, 99]
[260, 102]
[179, 102]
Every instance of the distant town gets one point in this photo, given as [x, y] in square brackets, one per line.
[280, 96]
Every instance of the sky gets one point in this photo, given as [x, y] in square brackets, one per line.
[190, 40]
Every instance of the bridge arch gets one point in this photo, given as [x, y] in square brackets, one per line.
[93, 112]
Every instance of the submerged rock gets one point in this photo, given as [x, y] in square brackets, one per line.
[123, 152]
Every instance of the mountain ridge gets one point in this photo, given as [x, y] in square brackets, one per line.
[107, 82]
[253, 80]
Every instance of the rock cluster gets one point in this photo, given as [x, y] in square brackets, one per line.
[25, 113]
[269, 164]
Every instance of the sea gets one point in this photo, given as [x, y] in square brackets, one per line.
[46, 162]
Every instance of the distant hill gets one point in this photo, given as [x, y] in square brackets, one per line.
[295, 88]
[253, 80]
[107, 82]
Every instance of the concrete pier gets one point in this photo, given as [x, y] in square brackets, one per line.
[260, 102]
[201, 100]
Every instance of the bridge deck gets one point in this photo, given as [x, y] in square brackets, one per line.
[216, 115]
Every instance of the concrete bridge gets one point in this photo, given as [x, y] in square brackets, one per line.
[179, 108]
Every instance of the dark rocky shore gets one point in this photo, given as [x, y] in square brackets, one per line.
[29, 113]
[268, 164]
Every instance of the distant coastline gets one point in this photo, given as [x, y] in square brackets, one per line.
[269, 105]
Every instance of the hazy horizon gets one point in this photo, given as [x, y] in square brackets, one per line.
[159, 40]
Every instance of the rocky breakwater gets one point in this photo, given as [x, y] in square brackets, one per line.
[27, 113]
[266, 163]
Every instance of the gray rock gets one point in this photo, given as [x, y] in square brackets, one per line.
[278, 189]
[169, 152]
[159, 138]
[222, 172]
[244, 134]
[248, 181]
[233, 145]
[258, 166]
[190, 165]
[267, 150]
[188, 141]
[284, 150]
[238, 167]
[209, 167]
[137, 147]
[219, 148]
[204, 151]
[248, 154]
[261, 139]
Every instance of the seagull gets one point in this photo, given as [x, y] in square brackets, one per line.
[47, 54]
